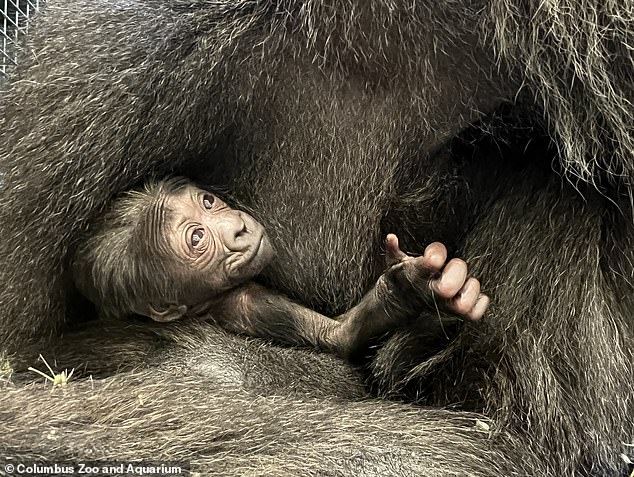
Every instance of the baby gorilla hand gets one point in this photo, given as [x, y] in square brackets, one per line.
[427, 280]
[408, 287]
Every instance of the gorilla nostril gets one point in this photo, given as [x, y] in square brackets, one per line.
[242, 231]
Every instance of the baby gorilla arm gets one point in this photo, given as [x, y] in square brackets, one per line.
[254, 310]
[407, 288]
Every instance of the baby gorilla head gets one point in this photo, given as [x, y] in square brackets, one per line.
[167, 249]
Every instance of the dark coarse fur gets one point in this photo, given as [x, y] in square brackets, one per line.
[336, 121]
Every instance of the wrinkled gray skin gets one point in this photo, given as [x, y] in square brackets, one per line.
[334, 121]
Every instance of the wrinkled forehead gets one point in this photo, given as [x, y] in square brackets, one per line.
[184, 202]
[167, 213]
[179, 208]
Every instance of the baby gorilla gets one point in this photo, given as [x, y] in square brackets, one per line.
[173, 250]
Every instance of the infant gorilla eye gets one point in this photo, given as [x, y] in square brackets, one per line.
[197, 237]
[208, 201]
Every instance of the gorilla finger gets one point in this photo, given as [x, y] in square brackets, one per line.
[466, 299]
[393, 254]
[451, 280]
[479, 309]
[435, 256]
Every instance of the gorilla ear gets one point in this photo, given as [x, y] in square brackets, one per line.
[167, 313]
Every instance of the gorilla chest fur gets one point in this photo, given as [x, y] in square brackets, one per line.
[323, 197]
[319, 162]
[324, 220]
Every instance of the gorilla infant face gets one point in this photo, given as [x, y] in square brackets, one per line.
[168, 250]
[220, 245]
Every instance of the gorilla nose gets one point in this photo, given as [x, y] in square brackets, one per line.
[241, 232]
[236, 234]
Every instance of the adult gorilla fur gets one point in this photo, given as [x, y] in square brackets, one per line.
[504, 128]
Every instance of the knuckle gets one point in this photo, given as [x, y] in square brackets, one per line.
[443, 288]
[458, 262]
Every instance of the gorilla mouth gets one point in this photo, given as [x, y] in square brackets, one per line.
[251, 253]
[256, 248]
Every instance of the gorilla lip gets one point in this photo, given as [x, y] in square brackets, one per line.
[248, 258]
[256, 249]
